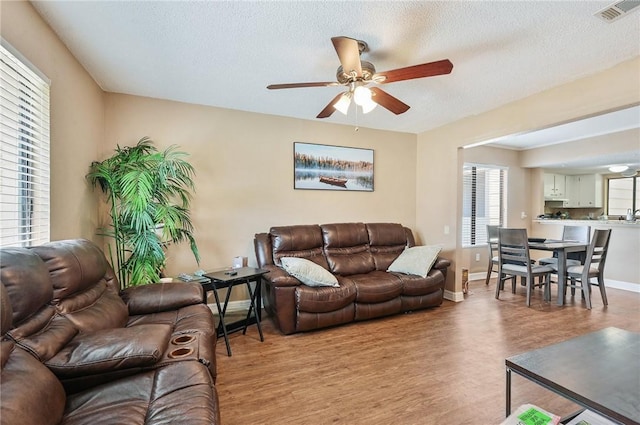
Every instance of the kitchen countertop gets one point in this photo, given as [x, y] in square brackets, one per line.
[606, 223]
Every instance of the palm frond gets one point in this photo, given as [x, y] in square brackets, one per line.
[145, 187]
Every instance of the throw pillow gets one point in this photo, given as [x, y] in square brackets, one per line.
[308, 272]
[416, 260]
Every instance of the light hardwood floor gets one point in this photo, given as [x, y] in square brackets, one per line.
[439, 366]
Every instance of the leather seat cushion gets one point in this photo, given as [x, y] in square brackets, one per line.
[180, 392]
[376, 287]
[326, 298]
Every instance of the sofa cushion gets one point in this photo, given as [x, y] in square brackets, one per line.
[26, 278]
[416, 260]
[178, 393]
[109, 350]
[31, 394]
[346, 246]
[308, 272]
[74, 265]
[326, 298]
[376, 287]
[386, 241]
[84, 289]
[303, 241]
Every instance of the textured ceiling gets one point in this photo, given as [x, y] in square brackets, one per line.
[224, 54]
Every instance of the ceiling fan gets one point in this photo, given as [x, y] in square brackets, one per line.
[357, 74]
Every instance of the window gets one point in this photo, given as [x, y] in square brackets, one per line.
[623, 193]
[24, 152]
[484, 201]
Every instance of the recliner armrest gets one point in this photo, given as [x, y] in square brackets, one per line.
[110, 350]
[158, 297]
[279, 277]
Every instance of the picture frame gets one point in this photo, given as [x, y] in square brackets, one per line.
[329, 167]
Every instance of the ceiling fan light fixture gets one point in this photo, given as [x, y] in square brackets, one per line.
[368, 107]
[343, 103]
[618, 168]
[362, 95]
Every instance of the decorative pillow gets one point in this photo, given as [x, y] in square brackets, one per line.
[308, 272]
[416, 260]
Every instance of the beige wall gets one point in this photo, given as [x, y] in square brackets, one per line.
[77, 118]
[244, 165]
[438, 178]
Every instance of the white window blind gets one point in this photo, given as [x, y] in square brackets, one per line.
[24, 153]
[484, 201]
[623, 193]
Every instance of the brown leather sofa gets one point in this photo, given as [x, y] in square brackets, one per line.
[76, 350]
[358, 255]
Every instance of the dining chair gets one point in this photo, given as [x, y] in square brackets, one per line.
[514, 260]
[570, 233]
[492, 245]
[593, 268]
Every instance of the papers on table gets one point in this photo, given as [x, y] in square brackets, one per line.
[528, 414]
[587, 417]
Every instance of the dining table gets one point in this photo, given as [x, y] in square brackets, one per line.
[562, 248]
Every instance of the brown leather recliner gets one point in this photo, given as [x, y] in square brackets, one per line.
[74, 350]
[358, 254]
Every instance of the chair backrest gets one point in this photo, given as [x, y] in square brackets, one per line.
[597, 251]
[576, 233]
[492, 233]
[492, 240]
[513, 246]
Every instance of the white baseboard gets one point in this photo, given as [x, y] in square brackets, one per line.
[453, 296]
[625, 286]
[479, 275]
[610, 283]
[242, 305]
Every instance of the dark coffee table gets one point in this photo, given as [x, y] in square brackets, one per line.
[599, 371]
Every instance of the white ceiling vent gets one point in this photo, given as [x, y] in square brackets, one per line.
[617, 10]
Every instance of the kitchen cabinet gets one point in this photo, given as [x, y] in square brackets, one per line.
[584, 191]
[554, 186]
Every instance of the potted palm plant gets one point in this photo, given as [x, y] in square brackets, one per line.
[148, 194]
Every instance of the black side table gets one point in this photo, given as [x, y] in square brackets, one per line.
[230, 279]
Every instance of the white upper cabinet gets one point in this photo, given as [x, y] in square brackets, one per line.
[554, 186]
[584, 191]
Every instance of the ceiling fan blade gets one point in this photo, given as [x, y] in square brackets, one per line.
[329, 109]
[430, 69]
[385, 100]
[348, 53]
[299, 85]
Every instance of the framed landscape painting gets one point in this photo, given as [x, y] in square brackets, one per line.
[326, 167]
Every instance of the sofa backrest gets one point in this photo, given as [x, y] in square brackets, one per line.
[35, 324]
[346, 246]
[386, 241]
[303, 241]
[85, 289]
